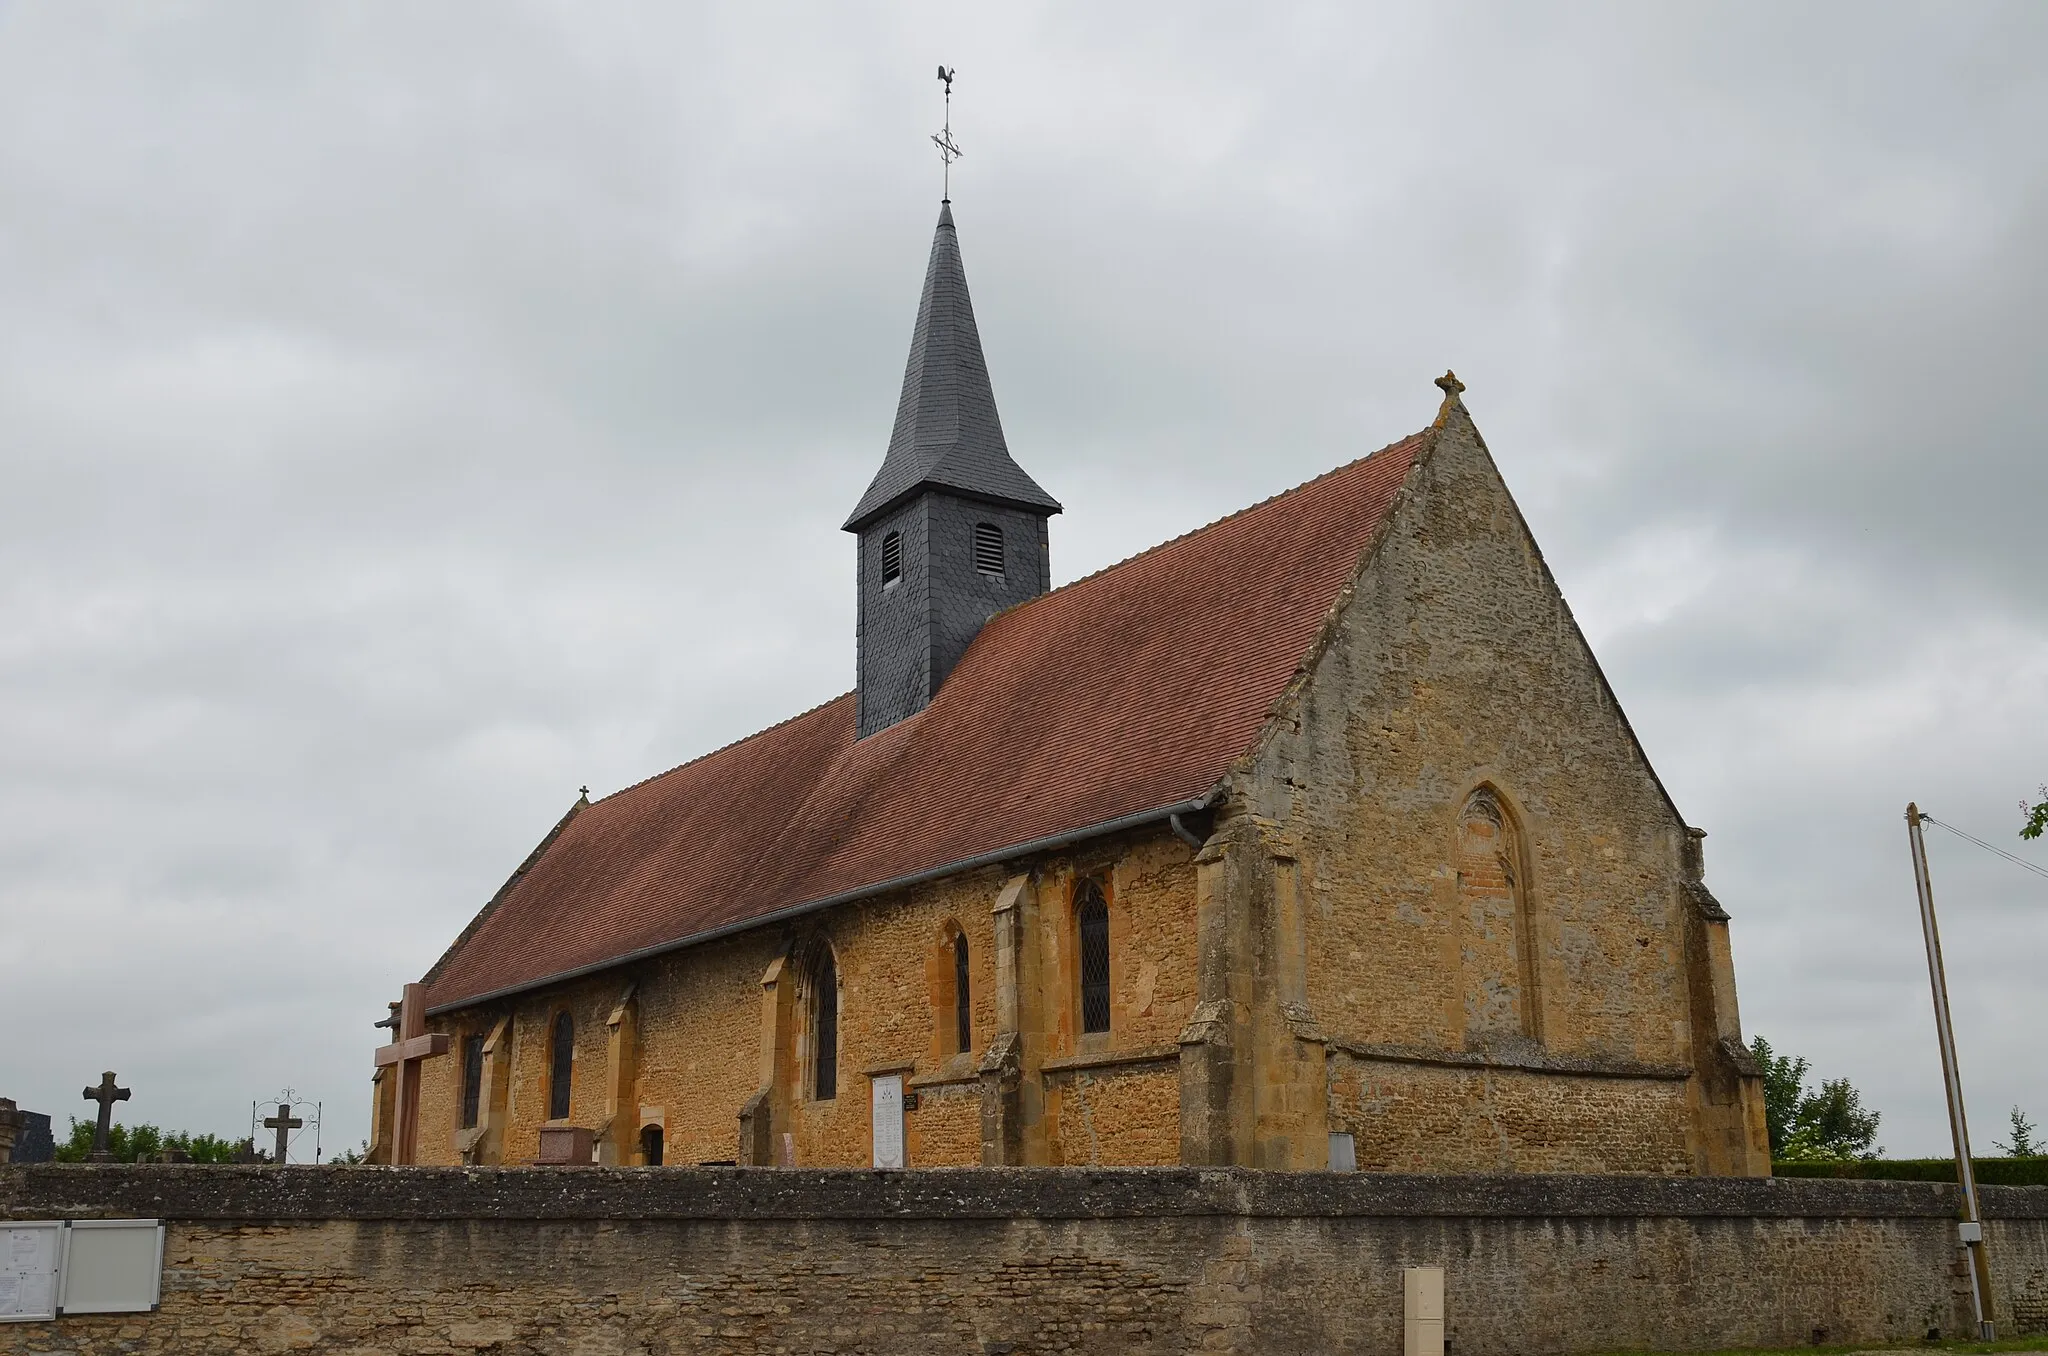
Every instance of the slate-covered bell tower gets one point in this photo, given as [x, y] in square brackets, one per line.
[951, 530]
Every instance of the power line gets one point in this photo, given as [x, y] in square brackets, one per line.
[2020, 862]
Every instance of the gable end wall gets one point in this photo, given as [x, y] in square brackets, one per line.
[1456, 665]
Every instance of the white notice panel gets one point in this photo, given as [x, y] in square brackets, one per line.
[112, 1266]
[889, 1121]
[30, 1251]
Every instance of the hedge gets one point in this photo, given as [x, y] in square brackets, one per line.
[1990, 1171]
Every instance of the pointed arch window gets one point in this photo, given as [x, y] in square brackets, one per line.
[988, 548]
[963, 1012]
[561, 1065]
[892, 557]
[825, 1028]
[1091, 918]
[472, 1079]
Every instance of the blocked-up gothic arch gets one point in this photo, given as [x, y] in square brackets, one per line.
[1502, 975]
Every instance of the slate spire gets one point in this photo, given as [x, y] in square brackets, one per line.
[951, 531]
[947, 434]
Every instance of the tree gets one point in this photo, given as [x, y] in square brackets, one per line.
[2022, 1144]
[349, 1158]
[1784, 1081]
[2037, 817]
[127, 1143]
[1832, 1123]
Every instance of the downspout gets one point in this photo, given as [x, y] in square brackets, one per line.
[1180, 830]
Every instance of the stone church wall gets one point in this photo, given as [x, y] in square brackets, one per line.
[1492, 875]
[577, 1262]
[698, 1028]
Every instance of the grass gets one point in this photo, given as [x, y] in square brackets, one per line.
[2035, 1343]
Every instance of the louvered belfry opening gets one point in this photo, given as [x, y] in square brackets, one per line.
[988, 548]
[825, 1025]
[561, 1063]
[1091, 911]
[963, 1018]
[892, 557]
[472, 1079]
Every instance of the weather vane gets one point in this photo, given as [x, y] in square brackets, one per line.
[948, 152]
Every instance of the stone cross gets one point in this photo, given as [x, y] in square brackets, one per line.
[403, 1057]
[106, 1094]
[284, 1123]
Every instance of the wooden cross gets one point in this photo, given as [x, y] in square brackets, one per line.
[403, 1058]
[284, 1123]
[106, 1094]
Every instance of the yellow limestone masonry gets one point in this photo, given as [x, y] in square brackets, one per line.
[1444, 906]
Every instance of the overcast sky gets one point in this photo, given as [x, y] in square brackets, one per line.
[410, 413]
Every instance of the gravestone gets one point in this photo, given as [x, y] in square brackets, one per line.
[283, 1123]
[106, 1094]
[33, 1140]
[565, 1146]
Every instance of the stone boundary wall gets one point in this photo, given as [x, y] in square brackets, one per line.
[583, 1262]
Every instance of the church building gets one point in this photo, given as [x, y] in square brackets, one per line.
[1314, 838]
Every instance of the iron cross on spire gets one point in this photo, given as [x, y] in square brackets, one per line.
[943, 139]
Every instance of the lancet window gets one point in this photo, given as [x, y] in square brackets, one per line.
[963, 1011]
[825, 1028]
[561, 1066]
[1091, 918]
[472, 1078]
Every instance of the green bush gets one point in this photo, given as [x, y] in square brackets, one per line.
[1990, 1171]
[128, 1143]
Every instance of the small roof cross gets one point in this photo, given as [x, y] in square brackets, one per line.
[106, 1094]
[284, 1123]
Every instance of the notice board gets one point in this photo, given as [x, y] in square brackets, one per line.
[52, 1268]
[111, 1266]
[31, 1252]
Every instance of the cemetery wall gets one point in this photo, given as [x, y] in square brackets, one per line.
[584, 1261]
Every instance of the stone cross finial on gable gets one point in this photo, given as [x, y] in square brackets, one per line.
[1452, 388]
[106, 1094]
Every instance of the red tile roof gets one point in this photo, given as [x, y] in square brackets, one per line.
[1132, 690]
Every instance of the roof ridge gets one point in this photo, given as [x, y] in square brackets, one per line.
[729, 744]
[1218, 522]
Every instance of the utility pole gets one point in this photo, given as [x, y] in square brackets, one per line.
[1970, 1232]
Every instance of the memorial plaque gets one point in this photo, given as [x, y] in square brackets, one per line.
[888, 1102]
[30, 1254]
